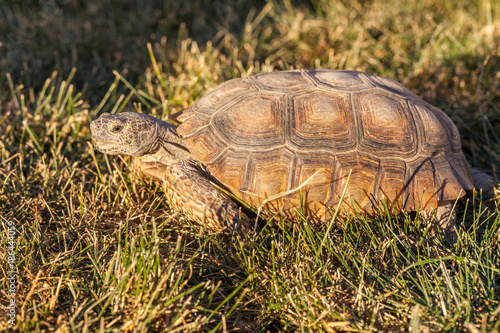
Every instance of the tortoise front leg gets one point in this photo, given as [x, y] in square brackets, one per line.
[189, 190]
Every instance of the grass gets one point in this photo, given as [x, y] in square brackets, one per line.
[98, 250]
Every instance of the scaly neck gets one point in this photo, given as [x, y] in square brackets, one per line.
[171, 147]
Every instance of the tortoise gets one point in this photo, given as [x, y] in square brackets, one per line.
[293, 142]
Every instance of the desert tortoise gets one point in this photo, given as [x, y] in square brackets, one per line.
[288, 141]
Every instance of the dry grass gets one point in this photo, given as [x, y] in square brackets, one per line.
[100, 251]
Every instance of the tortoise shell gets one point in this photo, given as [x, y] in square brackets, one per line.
[292, 140]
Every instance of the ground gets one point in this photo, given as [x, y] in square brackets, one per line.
[98, 250]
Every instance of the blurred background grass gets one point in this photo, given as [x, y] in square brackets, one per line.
[99, 251]
[40, 36]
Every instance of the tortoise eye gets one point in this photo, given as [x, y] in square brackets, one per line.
[117, 128]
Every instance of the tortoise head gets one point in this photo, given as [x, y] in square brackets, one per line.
[127, 133]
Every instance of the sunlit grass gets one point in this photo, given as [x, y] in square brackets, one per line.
[99, 250]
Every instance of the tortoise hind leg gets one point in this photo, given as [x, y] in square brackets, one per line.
[189, 190]
[485, 182]
[444, 218]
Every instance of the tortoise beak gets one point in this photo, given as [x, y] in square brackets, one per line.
[102, 143]
[106, 147]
